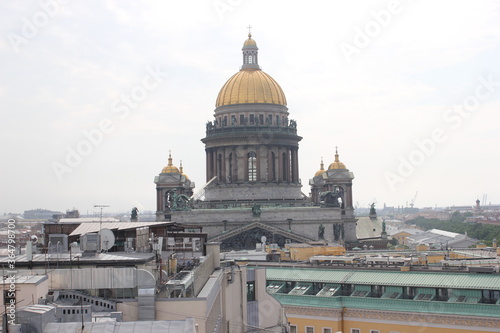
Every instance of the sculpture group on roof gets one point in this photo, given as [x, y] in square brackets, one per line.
[255, 120]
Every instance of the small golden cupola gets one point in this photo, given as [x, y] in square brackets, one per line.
[249, 43]
[336, 164]
[321, 169]
[170, 168]
[182, 171]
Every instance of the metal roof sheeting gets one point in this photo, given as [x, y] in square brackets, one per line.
[171, 326]
[410, 279]
[89, 227]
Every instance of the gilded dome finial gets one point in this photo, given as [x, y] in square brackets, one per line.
[180, 166]
[170, 168]
[170, 158]
[249, 31]
[336, 164]
[321, 169]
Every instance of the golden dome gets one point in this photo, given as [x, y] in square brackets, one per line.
[170, 168]
[336, 164]
[250, 85]
[321, 170]
[249, 41]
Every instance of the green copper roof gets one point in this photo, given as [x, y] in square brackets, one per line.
[483, 310]
[410, 279]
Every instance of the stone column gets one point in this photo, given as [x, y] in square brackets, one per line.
[208, 164]
[159, 200]
[295, 165]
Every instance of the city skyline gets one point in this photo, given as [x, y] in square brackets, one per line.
[95, 95]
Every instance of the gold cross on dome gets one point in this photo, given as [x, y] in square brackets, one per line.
[249, 30]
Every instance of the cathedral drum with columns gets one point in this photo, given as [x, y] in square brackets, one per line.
[253, 187]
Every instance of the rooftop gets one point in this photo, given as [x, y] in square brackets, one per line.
[384, 278]
[172, 326]
[25, 279]
[89, 227]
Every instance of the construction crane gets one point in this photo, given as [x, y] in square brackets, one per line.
[412, 202]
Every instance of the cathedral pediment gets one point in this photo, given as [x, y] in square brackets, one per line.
[247, 236]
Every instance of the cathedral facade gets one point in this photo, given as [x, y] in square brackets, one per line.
[253, 187]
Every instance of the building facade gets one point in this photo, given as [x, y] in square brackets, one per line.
[327, 301]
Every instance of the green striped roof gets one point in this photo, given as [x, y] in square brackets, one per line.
[410, 279]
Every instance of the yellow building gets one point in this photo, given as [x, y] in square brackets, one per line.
[302, 252]
[329, 301]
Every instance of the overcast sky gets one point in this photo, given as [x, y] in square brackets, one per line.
[94, 94]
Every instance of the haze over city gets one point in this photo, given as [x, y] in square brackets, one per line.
[95, 94]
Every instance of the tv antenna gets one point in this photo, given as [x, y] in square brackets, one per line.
[100, 218]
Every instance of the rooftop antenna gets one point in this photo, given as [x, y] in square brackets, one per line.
[100, 218]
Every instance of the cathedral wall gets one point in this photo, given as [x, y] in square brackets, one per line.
[256, 191]
[304, 221]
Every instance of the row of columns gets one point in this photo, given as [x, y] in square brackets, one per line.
[231, 165]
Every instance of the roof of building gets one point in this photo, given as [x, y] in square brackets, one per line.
[88, 219]
[408, 231]
[89, 227]
[25, 279]
[113, 257]
[410, 279]
[251, 85]
[368, 227]
[336, 164]
[170, 168]
[171, 326]
[436, 236]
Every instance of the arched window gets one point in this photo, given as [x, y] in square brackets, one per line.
[250, 59]
[252, 166]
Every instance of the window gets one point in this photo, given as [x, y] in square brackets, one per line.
[252, 166]
[251, 291]
[242, 119]
[327, 330]
[374, 331]
[293, 329]
[355, 330]
[309, 329]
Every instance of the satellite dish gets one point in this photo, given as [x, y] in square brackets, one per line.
[263, 239]
[34, 239]
[107, 239]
